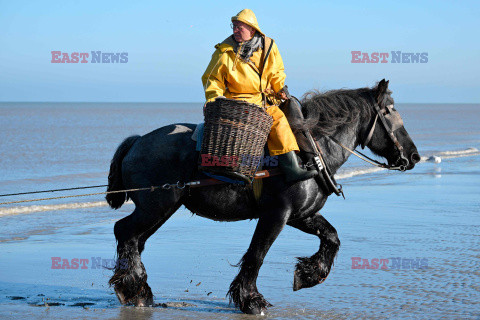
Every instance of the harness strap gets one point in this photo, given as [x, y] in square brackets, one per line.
[262, 174]
[265, 54]
[367, 158]
[325, 177]
[370, 134]
[389, 130]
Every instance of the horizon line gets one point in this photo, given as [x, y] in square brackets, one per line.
[200, 102]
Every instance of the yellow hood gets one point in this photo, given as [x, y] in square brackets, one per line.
[248, 17]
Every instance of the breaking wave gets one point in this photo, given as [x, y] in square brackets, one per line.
[51, 207]
[357, 172]
[460, 153]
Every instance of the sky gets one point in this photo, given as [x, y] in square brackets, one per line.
[170, 43]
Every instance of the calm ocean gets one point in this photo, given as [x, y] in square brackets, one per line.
[430, 213]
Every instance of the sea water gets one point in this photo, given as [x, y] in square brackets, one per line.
[428, 215]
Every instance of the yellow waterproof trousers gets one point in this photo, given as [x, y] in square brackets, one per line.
[281, 139]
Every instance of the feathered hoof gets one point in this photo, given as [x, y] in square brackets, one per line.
[145, 298]
[308, 273]
[128, 295]
[255, 305]
[120, 296]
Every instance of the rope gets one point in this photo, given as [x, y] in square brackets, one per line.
[85, 195]
[52, 190]
[167, 186]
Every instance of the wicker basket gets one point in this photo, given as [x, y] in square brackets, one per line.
[234, 136]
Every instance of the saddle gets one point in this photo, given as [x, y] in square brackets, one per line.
[310, 150]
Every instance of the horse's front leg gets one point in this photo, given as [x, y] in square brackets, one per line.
[313, 270]
[243, 290]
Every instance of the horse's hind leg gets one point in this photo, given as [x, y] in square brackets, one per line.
[131, 232]
[144, 237]
[313, 270]
[243, 290]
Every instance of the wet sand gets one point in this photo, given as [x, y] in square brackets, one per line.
[430, 213]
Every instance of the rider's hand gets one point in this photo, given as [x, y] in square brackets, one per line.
[269, 91]
[282, 95]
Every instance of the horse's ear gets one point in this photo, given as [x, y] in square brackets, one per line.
[382, 86]
[381, 89]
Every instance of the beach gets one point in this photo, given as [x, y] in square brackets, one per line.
[425, 222]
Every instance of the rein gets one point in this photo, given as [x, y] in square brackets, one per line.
[380, 114]
[368, 159]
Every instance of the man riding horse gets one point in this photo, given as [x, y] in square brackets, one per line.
[336, 119]
[247, 66]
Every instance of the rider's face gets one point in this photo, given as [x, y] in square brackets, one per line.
[242, 32]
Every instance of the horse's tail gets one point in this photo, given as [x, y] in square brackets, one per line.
[115, 181]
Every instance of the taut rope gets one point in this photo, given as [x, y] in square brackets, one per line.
[166, 186]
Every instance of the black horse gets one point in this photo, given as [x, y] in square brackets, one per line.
[168, 155]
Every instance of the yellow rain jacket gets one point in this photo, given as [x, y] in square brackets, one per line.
[228, 75]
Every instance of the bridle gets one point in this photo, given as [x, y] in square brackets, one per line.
[386, 115]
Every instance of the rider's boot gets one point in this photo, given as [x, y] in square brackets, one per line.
[289, 165]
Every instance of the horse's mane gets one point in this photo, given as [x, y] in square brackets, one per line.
[328, 111]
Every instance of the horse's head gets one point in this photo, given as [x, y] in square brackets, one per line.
[385, 134]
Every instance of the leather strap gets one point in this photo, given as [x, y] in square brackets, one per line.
[328, 181]
[389, 130]
[370, 134]
[267, 48]
[265, 54]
